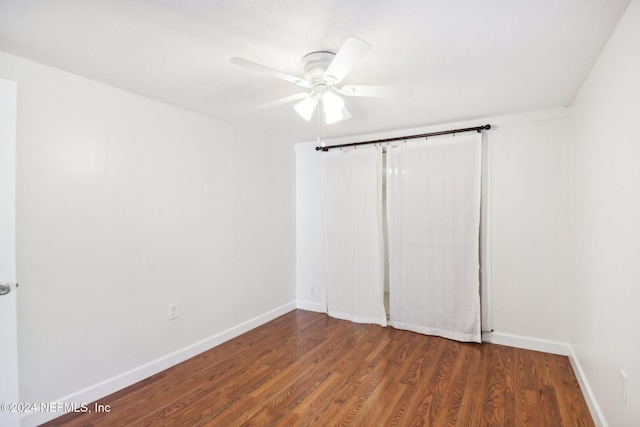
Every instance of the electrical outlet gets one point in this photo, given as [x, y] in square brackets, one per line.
[173, 311]
[623, 385]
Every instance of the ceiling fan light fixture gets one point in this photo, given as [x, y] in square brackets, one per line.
[333, 106]
[333, 117]
[306, 107]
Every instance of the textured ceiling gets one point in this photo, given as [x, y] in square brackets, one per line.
[463, 59]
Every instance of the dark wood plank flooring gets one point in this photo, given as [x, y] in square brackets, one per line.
[306, 369]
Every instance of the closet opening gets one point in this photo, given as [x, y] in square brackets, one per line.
[403, 233]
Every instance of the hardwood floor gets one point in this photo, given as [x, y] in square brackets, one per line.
[306, 369]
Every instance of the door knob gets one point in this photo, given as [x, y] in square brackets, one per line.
[5, 288]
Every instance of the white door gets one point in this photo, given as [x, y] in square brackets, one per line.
[8, 291]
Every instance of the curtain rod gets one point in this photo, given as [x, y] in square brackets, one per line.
[402, 138]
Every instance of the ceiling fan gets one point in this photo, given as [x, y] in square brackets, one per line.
[323, 72]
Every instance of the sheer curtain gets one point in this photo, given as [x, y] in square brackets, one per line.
[433, 209]
[352, 220]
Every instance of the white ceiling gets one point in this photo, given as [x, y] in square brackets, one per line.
[464, 59]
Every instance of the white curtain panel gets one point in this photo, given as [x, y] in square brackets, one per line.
[352, 220]
[433, 210]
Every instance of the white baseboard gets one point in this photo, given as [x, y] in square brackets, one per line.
[555, 347]
[107, 387]
[529, 343]
[592, 403]
[311, 306]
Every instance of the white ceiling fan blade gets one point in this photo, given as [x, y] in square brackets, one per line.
[285, 100]
[352, 51]
[375, 91]
[270, 71]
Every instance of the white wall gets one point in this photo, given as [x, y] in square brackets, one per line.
[606, 336]
[530, 223]
[310, 277]
[126, 205]
[531, 240]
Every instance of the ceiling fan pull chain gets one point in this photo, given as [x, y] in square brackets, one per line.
[319, 125]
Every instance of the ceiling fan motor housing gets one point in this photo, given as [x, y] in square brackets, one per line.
[315, 65]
